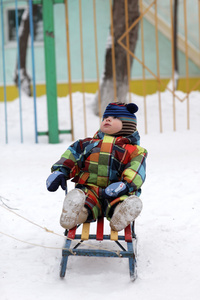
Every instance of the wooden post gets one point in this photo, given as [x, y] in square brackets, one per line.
[128, 46]
[69, 66]
[157, 63]
[82, 67]
[186, 65]
[143, 69]
[172, 48]
[97, 60]
[113, 52]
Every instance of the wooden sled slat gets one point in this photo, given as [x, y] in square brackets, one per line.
[85, 232]
[113, 235]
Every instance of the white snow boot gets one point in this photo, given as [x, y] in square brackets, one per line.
[125, 213]
[73, 212]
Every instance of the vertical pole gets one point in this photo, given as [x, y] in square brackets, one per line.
[199, 25]
[175, 42]
[50, 69]
[113, 51]
[33, 66]
[69, 66]
[97, 59]
[157, 63]
[4, 73]
[127, 45]
[82, 67]
[199, 22]
[187, 65]
[143, 68]
[172, 48]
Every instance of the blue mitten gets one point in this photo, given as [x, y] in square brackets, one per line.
[54, 180]
[115, 190]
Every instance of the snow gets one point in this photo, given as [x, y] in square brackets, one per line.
[167, 229]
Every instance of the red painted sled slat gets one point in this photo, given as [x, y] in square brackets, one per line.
[72, 233]
[128, 234]
[100, 226]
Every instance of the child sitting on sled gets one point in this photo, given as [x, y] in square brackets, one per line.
[108, 171]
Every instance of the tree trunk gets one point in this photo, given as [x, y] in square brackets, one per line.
[119, 27]
[24, 31]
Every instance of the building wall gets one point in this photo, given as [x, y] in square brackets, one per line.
[191, 17]
[89, 63]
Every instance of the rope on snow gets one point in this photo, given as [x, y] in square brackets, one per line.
[6, 207]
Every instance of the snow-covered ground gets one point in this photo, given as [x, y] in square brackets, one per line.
[168, 228]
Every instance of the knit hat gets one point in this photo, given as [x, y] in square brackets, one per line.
[125, 112]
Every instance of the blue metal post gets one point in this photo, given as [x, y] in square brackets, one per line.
[33, 67]
[4, 74]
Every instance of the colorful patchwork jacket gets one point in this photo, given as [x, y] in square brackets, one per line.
[105, 159]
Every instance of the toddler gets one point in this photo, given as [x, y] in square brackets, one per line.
[108, 170]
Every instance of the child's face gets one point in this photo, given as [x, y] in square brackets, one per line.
[111, 125]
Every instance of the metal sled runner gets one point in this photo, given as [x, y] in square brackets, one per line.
[127, 251]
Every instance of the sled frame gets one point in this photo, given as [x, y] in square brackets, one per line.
[129, 252]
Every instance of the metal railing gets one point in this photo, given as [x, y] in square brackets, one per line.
[148, 9]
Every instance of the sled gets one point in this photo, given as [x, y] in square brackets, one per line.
[125, 251]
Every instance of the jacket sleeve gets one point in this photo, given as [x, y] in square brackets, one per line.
[70, 162]
[134, 173]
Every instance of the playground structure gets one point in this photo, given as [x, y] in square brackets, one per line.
[148, 9]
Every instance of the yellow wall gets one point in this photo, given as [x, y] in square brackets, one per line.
[136, 86]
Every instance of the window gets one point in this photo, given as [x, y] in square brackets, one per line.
[22, 13]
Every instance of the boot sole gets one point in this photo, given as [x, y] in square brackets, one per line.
[126, 213]
[72, 206]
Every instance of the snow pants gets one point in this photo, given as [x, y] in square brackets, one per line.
[96, 205]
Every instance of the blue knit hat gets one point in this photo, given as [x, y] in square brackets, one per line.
[125, 112]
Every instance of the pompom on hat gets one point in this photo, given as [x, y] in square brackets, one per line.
[125, 112]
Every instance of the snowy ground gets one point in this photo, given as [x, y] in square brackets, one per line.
[168, 229]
